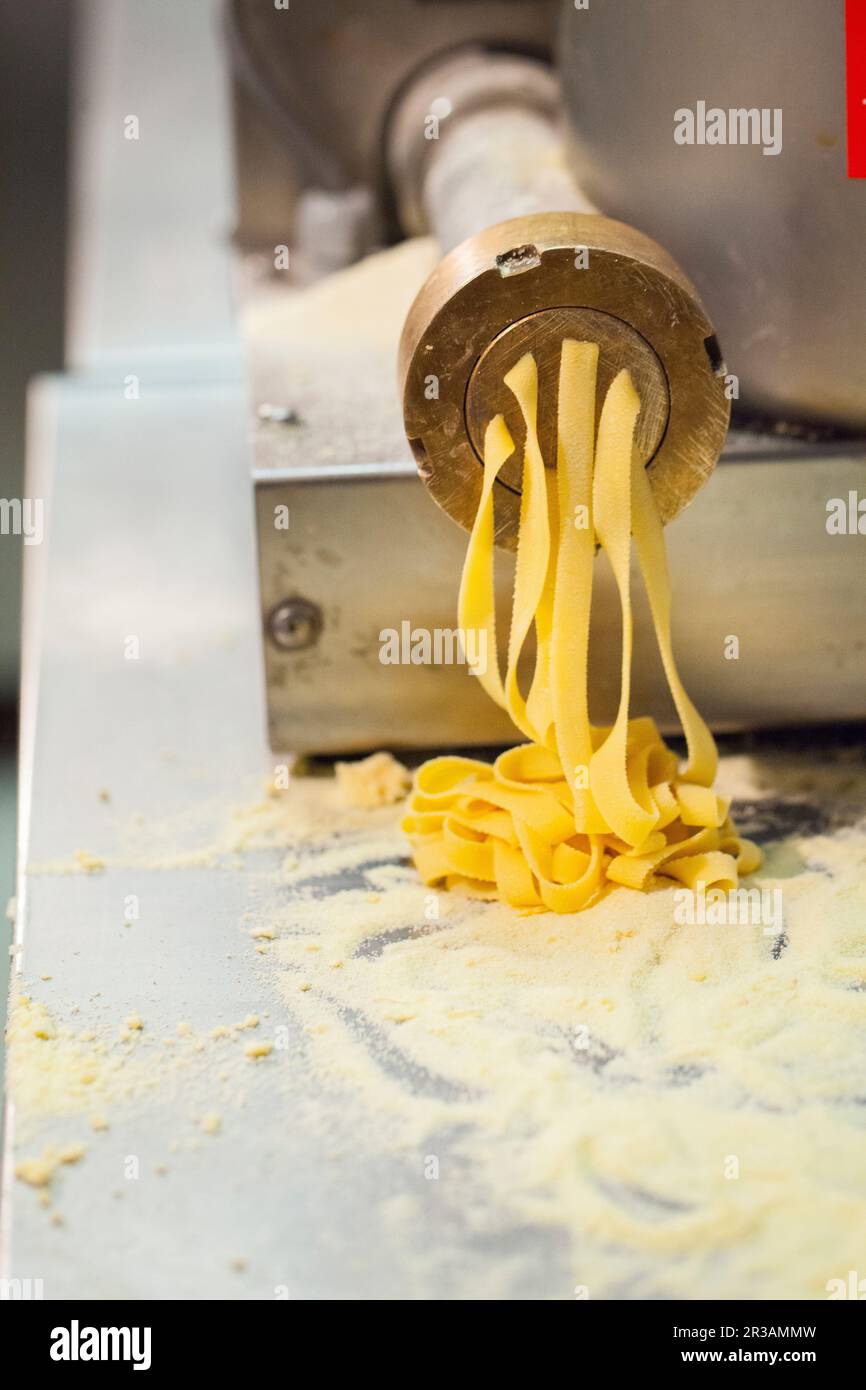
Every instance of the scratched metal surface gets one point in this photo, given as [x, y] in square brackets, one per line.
[181, 726]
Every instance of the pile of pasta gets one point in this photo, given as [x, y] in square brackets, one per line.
[555, 820]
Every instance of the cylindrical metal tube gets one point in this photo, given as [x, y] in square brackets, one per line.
[493, 164]
[476, 139]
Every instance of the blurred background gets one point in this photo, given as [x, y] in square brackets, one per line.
[35, 50]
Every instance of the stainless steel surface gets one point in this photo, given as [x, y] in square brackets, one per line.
[162, 734]
[370, 550]
[749, 558]
[151, 216]
[775, 244]
[177, 739]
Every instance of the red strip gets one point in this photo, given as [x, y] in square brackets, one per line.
[855, 78]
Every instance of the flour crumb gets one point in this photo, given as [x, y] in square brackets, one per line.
[254, 1050]
[36, 1172]
[375, 781]
[72, 1153]
[88, 863]
[211, 1123]
[39, 1172]
[43, 1026]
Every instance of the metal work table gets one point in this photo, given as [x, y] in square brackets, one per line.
[182, 726]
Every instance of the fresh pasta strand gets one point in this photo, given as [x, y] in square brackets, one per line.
[556, 820]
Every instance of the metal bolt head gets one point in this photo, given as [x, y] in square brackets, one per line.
[295, 624]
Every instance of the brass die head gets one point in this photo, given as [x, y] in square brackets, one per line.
[523, 286]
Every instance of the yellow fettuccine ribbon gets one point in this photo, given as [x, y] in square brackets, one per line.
[554, 820]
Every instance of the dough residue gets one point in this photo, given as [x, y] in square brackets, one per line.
[379, 780]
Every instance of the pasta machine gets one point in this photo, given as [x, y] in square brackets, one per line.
[536, 144]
